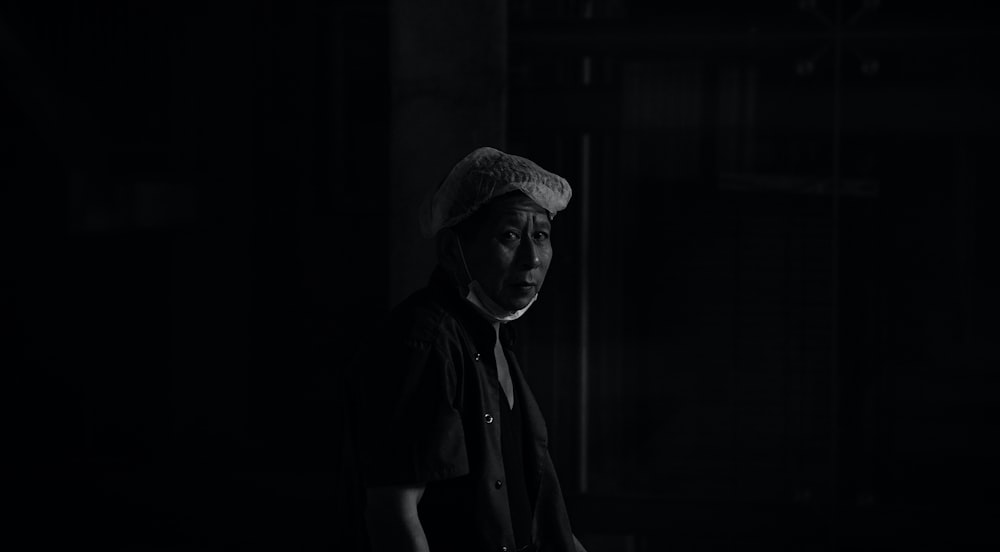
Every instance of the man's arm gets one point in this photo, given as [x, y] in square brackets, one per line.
[391, 516]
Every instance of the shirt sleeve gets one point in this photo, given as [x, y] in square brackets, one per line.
[409, 429]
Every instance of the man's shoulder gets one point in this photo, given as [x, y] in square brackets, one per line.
[420, 322]
[424, 316]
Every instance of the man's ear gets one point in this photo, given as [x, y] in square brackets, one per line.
[447, 250]
[450, 257]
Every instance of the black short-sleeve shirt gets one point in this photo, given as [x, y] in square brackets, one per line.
[426, 405]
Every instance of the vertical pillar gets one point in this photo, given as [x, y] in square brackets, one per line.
[448, 76]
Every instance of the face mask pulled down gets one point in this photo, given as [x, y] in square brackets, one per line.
[489, 308]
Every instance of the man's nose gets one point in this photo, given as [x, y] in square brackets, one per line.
[529, 254]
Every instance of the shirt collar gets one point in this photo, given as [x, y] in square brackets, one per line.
[444, 287]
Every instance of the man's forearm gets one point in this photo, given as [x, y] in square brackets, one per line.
[393, 523]
[388, 531]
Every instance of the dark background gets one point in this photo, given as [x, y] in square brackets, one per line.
[770, 322]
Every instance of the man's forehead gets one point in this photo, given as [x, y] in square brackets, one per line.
[516, 205]
[519, 215]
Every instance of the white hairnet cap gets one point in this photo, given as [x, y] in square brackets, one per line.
[482, 175]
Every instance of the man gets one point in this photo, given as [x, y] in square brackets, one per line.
[453, 448]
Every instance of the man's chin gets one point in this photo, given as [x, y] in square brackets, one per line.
[517, 304]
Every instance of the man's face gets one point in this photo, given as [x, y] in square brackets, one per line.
[510, 252]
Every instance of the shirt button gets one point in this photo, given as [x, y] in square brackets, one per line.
[503, 549]
[498, 484]
[488, 417]
[476, 357]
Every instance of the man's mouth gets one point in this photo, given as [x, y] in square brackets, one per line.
[523, 287]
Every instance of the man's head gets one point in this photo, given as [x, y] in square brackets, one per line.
[493, 219]
[506, 247]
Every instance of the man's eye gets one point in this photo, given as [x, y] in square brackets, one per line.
[541, 236]
[510, 236]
